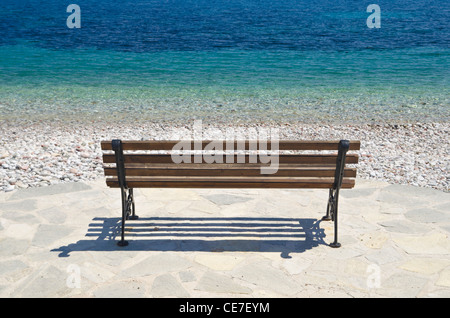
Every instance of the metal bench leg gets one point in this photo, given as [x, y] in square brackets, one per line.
[333, 198]
[122, 241]
[127, 193]
[128, 212]
[334, 217]
[327, 217]
[133, 215]
[332, 211]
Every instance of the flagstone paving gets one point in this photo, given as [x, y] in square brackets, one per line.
[60, 241]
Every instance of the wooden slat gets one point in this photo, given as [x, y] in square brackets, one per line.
[282, 144]
[229, 182]
[228, 170]
[323, 159]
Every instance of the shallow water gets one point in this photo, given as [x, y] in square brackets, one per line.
[234, 60]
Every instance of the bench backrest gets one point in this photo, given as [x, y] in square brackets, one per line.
[229, 164]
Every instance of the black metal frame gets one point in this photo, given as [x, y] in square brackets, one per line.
[333, 197]
[128, 207]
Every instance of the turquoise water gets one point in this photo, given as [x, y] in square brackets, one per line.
[232, 60]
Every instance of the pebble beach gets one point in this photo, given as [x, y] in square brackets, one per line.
[42, 153]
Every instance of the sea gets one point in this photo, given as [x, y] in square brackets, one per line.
[324, 61]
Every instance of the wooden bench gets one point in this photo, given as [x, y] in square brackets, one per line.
[301, 164]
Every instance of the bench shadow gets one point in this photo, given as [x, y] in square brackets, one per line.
[202, 234]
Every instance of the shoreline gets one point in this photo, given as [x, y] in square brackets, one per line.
[40, 153]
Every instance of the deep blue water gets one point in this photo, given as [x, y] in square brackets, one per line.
[285, 59]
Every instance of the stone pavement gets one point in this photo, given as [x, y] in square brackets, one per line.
[60, 241]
